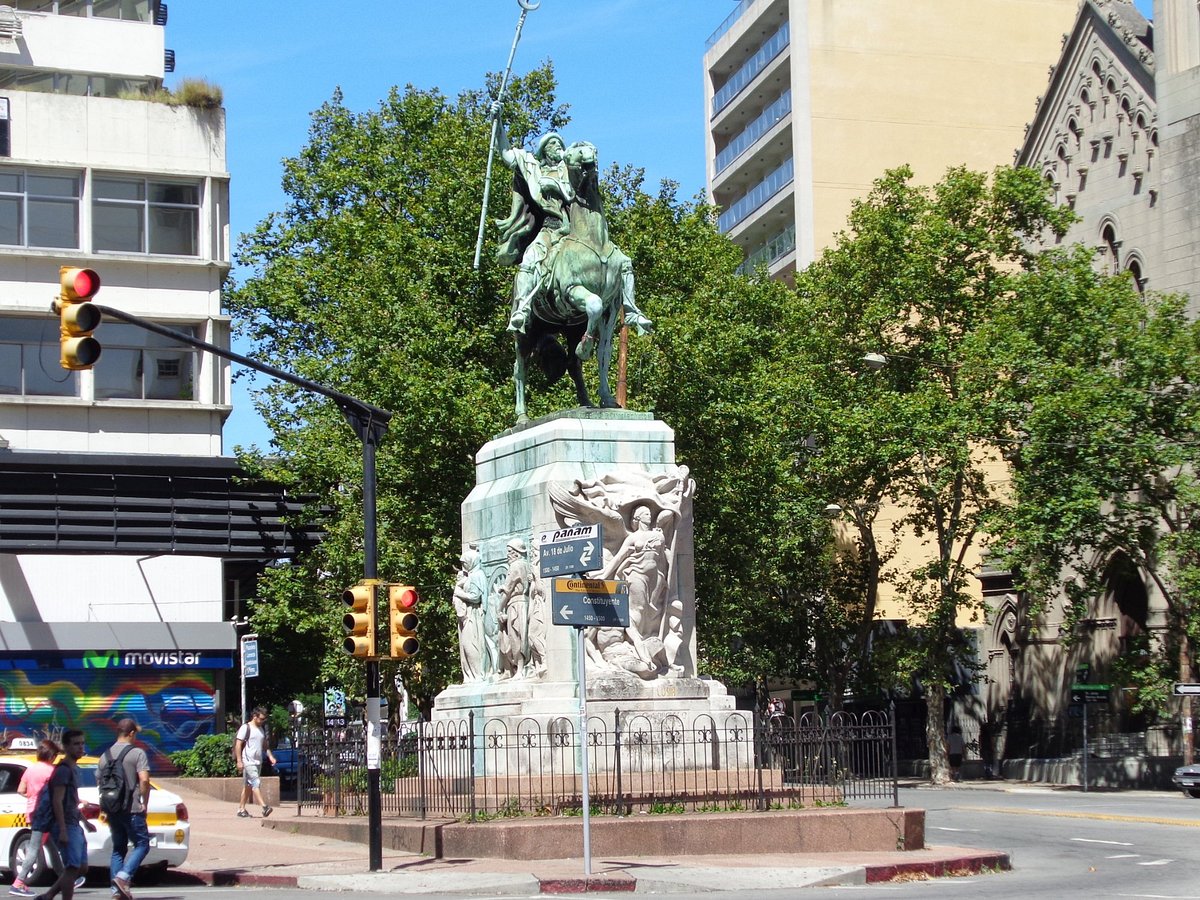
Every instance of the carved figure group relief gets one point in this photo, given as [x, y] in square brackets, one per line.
[504, 619]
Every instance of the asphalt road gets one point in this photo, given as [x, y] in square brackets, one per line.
[1063, 844]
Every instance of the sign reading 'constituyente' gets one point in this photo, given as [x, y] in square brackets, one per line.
[589, 602]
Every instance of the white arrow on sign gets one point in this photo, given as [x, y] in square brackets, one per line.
[586, 556]
[1183, 688]
[565, 612]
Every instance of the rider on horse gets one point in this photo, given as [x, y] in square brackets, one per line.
[539, 220]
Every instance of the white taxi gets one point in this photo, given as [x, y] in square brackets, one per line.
[166, 819]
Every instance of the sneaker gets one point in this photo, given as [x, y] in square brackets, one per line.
[122, 887]
[242, 814]
[80, 882]
[267, 810]
[21, 889]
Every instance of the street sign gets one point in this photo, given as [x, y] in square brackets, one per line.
[589, 602]
[1184, 689]
[571, 551]
[250, 658]
[1090, 693]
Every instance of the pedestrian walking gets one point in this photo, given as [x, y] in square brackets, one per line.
[57, 812]
[249, 747]
[33, 782]
[123, 777]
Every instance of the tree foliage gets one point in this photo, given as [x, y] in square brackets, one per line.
[364, 282]
[1099, 385]
[916, 274]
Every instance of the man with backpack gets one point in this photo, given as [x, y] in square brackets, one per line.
[57, 814]
[249, 747]
[123, 779]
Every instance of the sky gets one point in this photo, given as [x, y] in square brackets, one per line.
[631, 71]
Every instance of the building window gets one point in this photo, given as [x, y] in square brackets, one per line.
[39, 209]
[140, 215]
[29, 359]
[139, 365]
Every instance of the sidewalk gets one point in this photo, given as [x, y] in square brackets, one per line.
[226, 850]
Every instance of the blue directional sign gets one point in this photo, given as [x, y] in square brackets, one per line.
[571, 551]
[590, 602]
[250, 658]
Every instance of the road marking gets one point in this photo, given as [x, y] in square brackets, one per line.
[1095, 841]
[1101, 817]
[966, 830]
[1157, 862]
[1123, 856]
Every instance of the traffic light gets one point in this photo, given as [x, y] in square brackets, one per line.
[77, 317]
[402, 616]
[359, 623]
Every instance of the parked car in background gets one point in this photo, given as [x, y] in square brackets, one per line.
[1187, 779]
[167, 819]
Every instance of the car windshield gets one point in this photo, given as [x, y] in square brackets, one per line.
[86, 776]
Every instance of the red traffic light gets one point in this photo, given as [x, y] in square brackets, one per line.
[78, 284]
[403, 596]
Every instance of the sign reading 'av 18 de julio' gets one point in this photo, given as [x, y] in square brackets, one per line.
[571, 551]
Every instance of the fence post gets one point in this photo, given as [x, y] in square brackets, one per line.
[895, 755]
[759, 748]
[617, 751]
[421, 766]
[471, 753]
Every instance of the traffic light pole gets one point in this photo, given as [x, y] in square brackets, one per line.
[370, 423]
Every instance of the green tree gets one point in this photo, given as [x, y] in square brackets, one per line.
[917, 272]
[1100, 387]
[363, 282]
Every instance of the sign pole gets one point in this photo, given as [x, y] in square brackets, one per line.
[1085, 747]
[583, 751]
[242, 654]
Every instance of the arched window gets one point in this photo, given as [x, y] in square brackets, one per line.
[1134, 266]
[1111, 247]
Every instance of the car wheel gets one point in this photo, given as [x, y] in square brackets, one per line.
[151, 874]
[1194, 792]
[41, 873]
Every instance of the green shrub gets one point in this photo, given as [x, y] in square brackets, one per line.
[210, 757]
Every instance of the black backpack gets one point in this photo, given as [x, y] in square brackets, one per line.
[115, 792]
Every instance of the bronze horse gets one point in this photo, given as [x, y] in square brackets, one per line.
[580, 299]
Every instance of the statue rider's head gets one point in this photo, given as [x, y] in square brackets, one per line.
[551, 148]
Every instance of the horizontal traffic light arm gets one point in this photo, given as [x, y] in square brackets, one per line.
[362, 415]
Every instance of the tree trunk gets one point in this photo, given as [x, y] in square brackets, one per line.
[1185, 706]
[935, 733]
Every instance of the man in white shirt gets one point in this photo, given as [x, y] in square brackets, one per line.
[248, 749]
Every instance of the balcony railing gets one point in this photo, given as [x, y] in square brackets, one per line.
[757, 196]
[756, 129]
[784, 242]
[728, 23]
[771, 48]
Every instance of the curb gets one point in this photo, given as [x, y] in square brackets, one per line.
[940, 868]
[614, 883]
[234, 878]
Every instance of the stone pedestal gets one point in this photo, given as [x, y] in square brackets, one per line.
[587, 467]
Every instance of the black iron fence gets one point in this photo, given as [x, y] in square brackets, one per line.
[471, 769]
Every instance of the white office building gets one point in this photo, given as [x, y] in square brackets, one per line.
[119, 520]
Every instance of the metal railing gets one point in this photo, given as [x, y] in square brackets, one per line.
[775, 182]
[473, 771]
[780, 244]
[763, 123]
[749, 70]
[728, 23]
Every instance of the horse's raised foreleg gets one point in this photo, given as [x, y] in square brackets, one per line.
[519, 382]
[593, 307]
